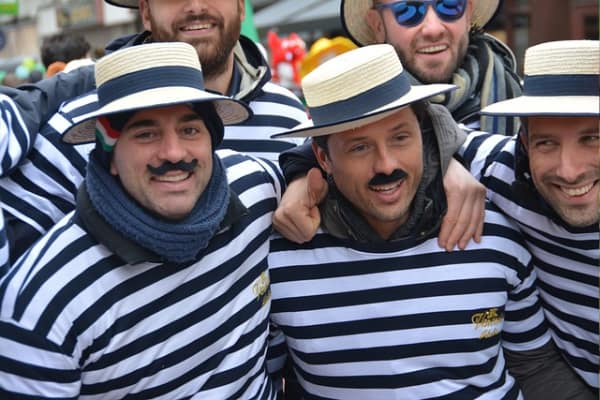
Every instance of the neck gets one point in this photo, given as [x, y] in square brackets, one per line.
[221, 80]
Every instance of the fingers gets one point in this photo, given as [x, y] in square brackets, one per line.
[464, 218]
[292, 231]
[297, 218]
[474, 222]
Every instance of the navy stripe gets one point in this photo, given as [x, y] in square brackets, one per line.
[363, 103]
[151, 78]
[246, 146]
[561, 85]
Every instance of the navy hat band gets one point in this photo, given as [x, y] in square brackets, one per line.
[150, 78]
[362, 103]
[561, 85]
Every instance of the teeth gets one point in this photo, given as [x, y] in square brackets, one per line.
[173, 178]
[196, 27]
[432, 49]
[577, 191]
[384, 188]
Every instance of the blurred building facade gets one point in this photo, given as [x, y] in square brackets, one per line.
[524, 23]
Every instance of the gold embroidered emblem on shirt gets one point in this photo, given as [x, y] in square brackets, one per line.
[261, 288]
[488, 323]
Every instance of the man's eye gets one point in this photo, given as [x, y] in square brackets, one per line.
[358, 148]
[544, 144]
[144, 135]
[190, 131]
[591, 139]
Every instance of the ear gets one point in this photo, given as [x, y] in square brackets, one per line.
[322, 157]
[469, 12]
[144, 14]
[375, 22]
[523, 139]
[242, 7]
[113, 167]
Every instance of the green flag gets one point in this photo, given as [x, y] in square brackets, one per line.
[248, 28]
[9, 7]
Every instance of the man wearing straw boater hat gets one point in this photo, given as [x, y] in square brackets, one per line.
[438, 41]
[547, 181]
[156, 286]
[442, 41]
[372, 308]
[40, 191]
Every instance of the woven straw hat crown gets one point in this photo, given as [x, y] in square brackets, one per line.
[356, 88]
[354, 18]
[151, 75]
[565, 57]
[561, 78]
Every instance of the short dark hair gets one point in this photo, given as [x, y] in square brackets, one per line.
[418, 107]
[64, 47]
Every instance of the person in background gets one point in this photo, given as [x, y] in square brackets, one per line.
[546, 179]
[441, 41]
[372, 308]
[157, 284]
[42, 190]
[64, 52]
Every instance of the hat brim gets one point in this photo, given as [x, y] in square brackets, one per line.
[546, 106]
[308, 129]
[231, 111]
[123, 3]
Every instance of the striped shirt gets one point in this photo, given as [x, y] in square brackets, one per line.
[14, 144]
[42, 189]
[566, 258]
[406, 320]
[78, 322]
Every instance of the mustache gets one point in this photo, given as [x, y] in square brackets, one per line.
[201, 19]
[382, 179]
[168, 166]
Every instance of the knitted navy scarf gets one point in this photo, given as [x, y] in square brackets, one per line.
[175, 241]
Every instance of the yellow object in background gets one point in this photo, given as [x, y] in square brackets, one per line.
[322, 50]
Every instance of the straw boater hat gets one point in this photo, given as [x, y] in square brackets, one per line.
[357, 88]
[151, 75]
[561, 78]
[124, 3]
[354, 17]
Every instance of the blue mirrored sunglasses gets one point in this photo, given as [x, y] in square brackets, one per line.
[412, 13]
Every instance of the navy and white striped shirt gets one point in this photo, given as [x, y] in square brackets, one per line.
[42, 189]
[566, 258]
[79, 322]
[406, 320]
[15, 142]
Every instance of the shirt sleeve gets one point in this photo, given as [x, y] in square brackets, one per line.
[525, 327]
[33, 367]
[38, 102]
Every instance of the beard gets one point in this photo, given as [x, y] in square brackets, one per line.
[427, 75]
[213, 54]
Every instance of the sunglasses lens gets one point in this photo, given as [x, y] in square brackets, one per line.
[450, 10]
[412, 13]
[409, 13]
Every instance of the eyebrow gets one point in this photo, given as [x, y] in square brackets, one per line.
[144, 123]
[589, 130]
